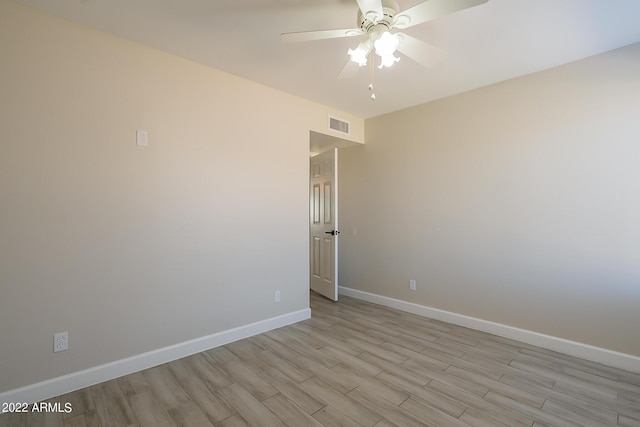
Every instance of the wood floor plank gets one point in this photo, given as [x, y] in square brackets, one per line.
[506, 414]
[331, 417]
[408, 341]
[324, 393]
[209, 402]
[385, 329]
[525, 380]
[233, 421]
[190, 414]
[88, 419]
[395, 414]
[271, 360]
[149, 411]
[165, 386]
[628, 405]
[250, 408]
[220, 356]
[344, 385]
[530, 411]
[388, 355]
[248, 351]
[77, 421]
[430, 415]
[516, 393]
[478, 418]
[565, 399]
[599, 378]
[291, 390]
[493, 373]
[421, 359]
[626, 376]
[385, 391]
[133, 384]
[460, 383]
[248, 379]
[349, 330]
[207, 369]
[34, 419]
[352, 362]
[327, 338]
[308, 351]
[111, 404]
[397, 371]
[276, 347]
[583, 413]
[441, 401]
[289, 412]
[573, 386]
[628, 421]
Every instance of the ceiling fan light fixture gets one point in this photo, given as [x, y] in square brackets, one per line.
[359, 54]
[388, 61]
[386, 44]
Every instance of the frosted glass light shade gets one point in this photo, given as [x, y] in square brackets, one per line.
[388, 60]
[359, 54]
[386, 44]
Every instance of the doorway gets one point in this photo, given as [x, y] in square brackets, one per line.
[323, 213]
[323, 223]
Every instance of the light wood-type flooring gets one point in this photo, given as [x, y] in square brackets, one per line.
[359, 364]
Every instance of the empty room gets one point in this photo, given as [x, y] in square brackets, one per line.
[332, 213]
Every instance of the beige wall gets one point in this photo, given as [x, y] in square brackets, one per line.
[131, 249]
[518, 203]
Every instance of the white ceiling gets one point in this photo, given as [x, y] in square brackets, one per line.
[499, 40]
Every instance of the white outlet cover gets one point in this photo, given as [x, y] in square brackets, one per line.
[142, 138]
[276, 297]
[60, 342]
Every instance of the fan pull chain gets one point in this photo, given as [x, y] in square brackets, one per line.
[371, 71]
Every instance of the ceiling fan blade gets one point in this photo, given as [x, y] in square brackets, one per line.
[421, 52]
[432, 9]
[367, 6]
[349, 71]
[306, 36]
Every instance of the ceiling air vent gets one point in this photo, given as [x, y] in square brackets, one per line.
[338, 125]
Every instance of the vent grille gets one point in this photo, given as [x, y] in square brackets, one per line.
[338, 125]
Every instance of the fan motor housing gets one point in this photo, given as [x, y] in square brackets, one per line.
[368, 22]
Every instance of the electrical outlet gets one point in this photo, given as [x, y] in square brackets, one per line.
[60, 342]
[412, 285]
[142, 138]
[276, 296]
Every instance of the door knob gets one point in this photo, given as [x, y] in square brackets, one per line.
[332, 232]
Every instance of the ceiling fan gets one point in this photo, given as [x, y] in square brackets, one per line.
[376, 19]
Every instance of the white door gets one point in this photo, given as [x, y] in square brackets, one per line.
[323, 219]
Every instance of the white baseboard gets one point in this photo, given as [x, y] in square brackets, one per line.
[604, 356]
[77, 380]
